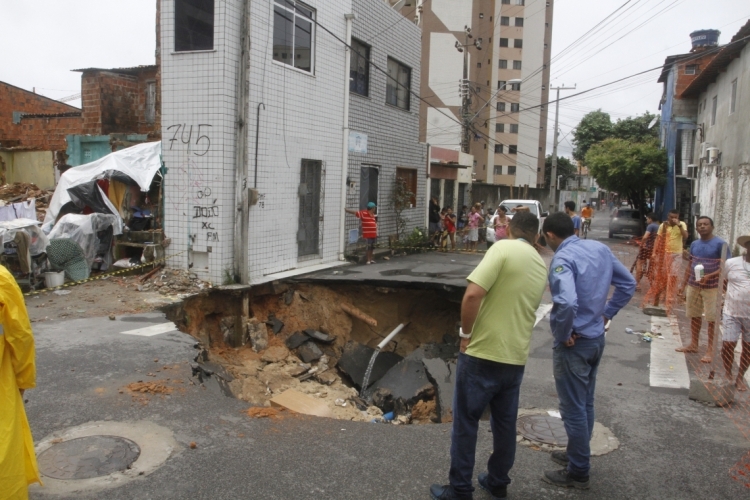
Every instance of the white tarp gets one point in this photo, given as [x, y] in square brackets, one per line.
[139, 162]
[83, 230]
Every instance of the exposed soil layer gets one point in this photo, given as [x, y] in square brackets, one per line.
[265, 365]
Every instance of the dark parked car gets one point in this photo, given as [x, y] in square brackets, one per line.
[625, 221]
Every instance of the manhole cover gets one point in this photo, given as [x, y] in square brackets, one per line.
[88, 457]
[543, 429]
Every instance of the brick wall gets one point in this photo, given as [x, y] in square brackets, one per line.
[683, 80]
[48, 133]
[31, 132]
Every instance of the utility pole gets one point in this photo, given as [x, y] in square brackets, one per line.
[464, 88]
[553, 175]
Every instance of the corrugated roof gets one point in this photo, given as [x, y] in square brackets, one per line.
[725, 56]
[668, 63]
[128, 71]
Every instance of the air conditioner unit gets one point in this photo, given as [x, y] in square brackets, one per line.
[692, 171]
[713, 155]
[704, 149]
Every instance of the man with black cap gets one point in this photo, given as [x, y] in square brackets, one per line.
[369, 227]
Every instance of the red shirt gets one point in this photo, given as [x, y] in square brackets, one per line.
[369, 224]
[448, 221]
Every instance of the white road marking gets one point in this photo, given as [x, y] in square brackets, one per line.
[150, 331]
[668, 367]
[543, 310]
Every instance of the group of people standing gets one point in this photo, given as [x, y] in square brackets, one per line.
[468, 227]
[498, 314]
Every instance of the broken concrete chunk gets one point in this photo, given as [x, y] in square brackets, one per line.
[297, 370]
[719, 391]
[406, 383]
[356, 357]
[296, 339]
[275, 323]
[275, 354]
[289, 296]
[443, 377]
[319, 336]
[227, 328]
[257, 335]
[302, 403]
[327, 377]
[309, 352]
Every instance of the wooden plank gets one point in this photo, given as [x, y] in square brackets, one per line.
[353, 311]
[302, 403]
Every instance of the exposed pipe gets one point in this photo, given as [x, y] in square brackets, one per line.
[345, 132]
[257, 135]
[390, 336]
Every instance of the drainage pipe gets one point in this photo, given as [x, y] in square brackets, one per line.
[345, 133]
[391, 335]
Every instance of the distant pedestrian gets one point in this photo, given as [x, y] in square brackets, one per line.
[702, 294]
[18, 466]
[570, 209]
[434, 217]
[500, 222]
[580, 277]
[497, 317]
[369, 227]
[667, 257]
[483, 224]
[642, 265]
[736, 315]
[449, 225]
[474, 221]
[489, 238]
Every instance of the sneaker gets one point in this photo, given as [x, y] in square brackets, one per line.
[446, 492]
[495, 493]
[565, 479]
[560, 457]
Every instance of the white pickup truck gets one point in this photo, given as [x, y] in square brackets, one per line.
[534, 207]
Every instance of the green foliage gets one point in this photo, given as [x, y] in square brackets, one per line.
[634, 169]
[564, 168]
[417, 238]
[635, 129]
[594, 127]
[401, 199]
[229, 277]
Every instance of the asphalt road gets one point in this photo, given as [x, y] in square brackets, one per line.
[670, 447]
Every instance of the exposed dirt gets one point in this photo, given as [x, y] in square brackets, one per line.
[262, 412]
[155, 387]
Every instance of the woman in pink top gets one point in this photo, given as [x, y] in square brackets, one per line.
[474, 218]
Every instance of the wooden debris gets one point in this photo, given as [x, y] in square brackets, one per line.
[302, 403]
[353, 311]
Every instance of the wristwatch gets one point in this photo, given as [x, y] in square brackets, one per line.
[462, 334]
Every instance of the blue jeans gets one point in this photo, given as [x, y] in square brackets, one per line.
[479, 383]
[575, 378]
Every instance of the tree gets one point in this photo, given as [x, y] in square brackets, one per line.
[594, 127]
[636, 129]
[401, 199]
[634, 169]
[564, 168]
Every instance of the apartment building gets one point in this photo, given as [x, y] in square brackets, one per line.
[507, 61]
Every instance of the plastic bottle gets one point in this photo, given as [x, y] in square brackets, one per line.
[700, 271]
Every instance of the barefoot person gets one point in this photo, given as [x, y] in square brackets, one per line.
[647, 248]
[701, 294]
[497, 317]
[735, 323]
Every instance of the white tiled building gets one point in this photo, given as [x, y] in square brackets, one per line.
[295, 80]
[293, 85]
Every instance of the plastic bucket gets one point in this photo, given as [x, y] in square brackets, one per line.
[52, 280]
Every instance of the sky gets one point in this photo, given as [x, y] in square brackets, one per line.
[42, 40]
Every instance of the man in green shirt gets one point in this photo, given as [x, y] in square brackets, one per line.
[497, 317]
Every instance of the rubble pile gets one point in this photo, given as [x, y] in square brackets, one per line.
[23, 191]
[167, 282]
[302, 351]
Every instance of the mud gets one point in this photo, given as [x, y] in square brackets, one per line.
[261, 373]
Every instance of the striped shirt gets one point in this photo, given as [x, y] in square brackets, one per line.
[369, 224]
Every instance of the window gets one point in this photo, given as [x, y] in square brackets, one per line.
[691, 69]
[516, 64]
[193, 25]
[503, 64]
[733, 102]
[519, 22]
[501, 84]
[504, 21]
[150, 102]
[520, 2]
[517, 43]
[514, 107]
[513, 128]
[293, 34]
[713, 110]
[498, 170]
[501, 106]
[498, 149]
[511, 170]
[479, 65]
[513, 149]
[515, 86]
[409, 177]
[500, 128]
[398, 84]
[503, 42]
[506, 2]
[359, 73]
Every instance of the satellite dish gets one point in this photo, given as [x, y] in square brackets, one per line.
[653, 122]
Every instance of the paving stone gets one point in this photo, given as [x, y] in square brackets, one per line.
[296, 339]
[356, 357]
[443, 375]
[309, 352]
[406, 383]
[319, 336]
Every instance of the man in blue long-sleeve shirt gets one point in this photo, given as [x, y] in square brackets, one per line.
[580, 276]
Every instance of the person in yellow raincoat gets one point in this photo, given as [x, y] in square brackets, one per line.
[18, 467]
